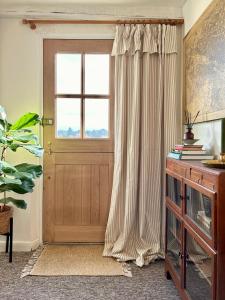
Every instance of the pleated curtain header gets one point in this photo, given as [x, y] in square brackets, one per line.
[148, 38]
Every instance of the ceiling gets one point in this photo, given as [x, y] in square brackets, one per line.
[165, 3]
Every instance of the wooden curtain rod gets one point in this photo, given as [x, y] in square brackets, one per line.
[34, 22]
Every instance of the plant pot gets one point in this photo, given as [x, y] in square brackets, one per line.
[4, 219]
[189, 135]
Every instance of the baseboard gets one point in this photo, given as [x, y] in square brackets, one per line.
[21, 245]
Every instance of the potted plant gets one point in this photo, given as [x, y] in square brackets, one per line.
[17, 178]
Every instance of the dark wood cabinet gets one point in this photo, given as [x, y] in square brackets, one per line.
[195, 229]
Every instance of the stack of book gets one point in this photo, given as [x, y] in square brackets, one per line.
[189, 152]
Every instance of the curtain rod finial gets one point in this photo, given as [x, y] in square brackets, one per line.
[30, 22]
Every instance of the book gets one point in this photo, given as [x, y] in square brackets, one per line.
[189, 147]
[197, 157]
[175, 155]
[185, 152]
[180, 156]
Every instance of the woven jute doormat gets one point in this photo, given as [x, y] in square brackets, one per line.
[80, 260]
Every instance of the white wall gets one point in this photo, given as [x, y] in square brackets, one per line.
[19, 93]
[209, 133]
[192, 10]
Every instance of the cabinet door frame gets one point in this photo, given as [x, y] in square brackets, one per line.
[212, 253]
[174, 206]
[210, 194]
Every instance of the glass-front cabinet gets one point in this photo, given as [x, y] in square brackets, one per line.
[195, 229]
[173, 238]
[173, 190]
[198, 270]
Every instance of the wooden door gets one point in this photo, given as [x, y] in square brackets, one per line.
[78, 139]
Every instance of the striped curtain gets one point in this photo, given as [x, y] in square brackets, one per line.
[145, 129]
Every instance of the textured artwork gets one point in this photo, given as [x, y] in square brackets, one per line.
[204, 68]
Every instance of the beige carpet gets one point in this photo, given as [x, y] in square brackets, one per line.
[56, 260]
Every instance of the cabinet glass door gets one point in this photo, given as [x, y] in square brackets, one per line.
[173, 189]
[173, 246]
[199, 267]
[199, 209]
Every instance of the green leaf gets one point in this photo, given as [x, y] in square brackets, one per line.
[21, 175]
[37, 150]
[27, 120]
[3, 139]
[2, 127]
[18, 203]
[6, 181]
[25, 138]
[34, 149]
[25, 130]
[25, 186]
[8, 126]
[7, 168]
[3, 119]
[34, 170]
[14, 147]
[3, 114]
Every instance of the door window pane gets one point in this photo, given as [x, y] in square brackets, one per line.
[96, 118]
[97, 74]
[199, 267]
[68, 112]
[199, 209]
[68, 73]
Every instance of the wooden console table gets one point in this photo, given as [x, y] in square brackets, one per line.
[195, 229]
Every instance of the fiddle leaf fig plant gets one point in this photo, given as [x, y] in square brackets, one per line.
[18, 178]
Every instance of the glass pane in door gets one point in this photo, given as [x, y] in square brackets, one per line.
[97, 74]
[173, 190]
[68, 119]
[199, 266]
[68, 73]
[96, 118]
[199, 209]
[173, 240]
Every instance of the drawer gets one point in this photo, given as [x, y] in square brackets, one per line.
[180, 170]
[175, 167]
[208, 182]
[196, 176]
